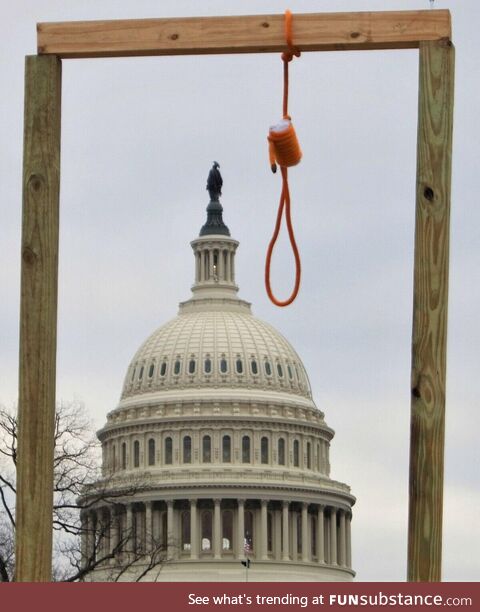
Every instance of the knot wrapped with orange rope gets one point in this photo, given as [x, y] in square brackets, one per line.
[284, 150]
[283, 145]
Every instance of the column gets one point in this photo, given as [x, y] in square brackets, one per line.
[156, 527]
[320, 535]
[193, 530]
[197, 266]
[232, 269]
[111, 529]
[241, 529]
[294, 522]
[148, 527]
[170, 531]
[210, 265]
[128, 538]
[306, 547]
[221, 267]
[277, 531]
[104, 532]
[217, 530]
[94, 528]
[227, 271]
[333, 536]
[263, 529]
[202, 265]
[115, 530]
[84, 538]
[348, 539]
[286, 535]
[342, 540]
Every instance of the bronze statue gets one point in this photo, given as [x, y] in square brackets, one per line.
[214, 182]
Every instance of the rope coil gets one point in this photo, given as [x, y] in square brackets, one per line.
[284, 150]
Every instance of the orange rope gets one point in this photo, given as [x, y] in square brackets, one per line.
[284, 149]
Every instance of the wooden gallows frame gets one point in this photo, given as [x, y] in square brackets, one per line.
[428, 31]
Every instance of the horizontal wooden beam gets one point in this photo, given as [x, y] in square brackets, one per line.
[242, 34]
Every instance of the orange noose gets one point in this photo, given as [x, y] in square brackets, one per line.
[284, 150]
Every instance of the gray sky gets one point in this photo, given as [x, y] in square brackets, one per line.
[138, 139]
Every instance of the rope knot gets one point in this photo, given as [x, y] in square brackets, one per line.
[287, 56]
[285, 151]
[292, 51]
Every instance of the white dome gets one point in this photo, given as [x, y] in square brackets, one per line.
[216, 349]
[217, 423]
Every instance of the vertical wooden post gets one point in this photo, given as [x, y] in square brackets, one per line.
[430, 297]
[38, 318]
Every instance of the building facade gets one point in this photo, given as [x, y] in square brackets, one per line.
[217, 428]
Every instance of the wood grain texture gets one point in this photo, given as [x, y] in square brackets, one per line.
[38, 318]
[429, 341]
[242, 34]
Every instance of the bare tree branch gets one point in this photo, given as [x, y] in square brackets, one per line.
[78, 487]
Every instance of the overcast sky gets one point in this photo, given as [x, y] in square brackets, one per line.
[138, 139]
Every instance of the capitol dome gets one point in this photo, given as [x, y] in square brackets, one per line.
[216, 420]
[210, 351]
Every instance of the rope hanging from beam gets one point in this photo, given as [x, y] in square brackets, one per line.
[284, 150]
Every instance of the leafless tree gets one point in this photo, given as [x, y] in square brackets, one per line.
[78, 487]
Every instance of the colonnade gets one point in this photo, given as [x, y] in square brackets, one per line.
[206, 528]
[214, 264]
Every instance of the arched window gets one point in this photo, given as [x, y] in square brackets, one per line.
[227, 530]
[124, 456]
[133, 374]
[206, 530]
[290, 373]
[191, 366]
[163, 368]
[136, 453]
[309, 456]
[187, 449]
[151, 369]
[296, 453]
[151, 452]
[268, 368]
[246, 449]
[140, 376]
[226, 449]
[185, 529]
[177, 366]
[168, 450]
[249, 541]
[208, 366]
[264, 449]
[114, 458]
[279, 370]
[318, 457]
[281, 451]
[223, 365]
[206, 449]
[254, 367]
[239, 366]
